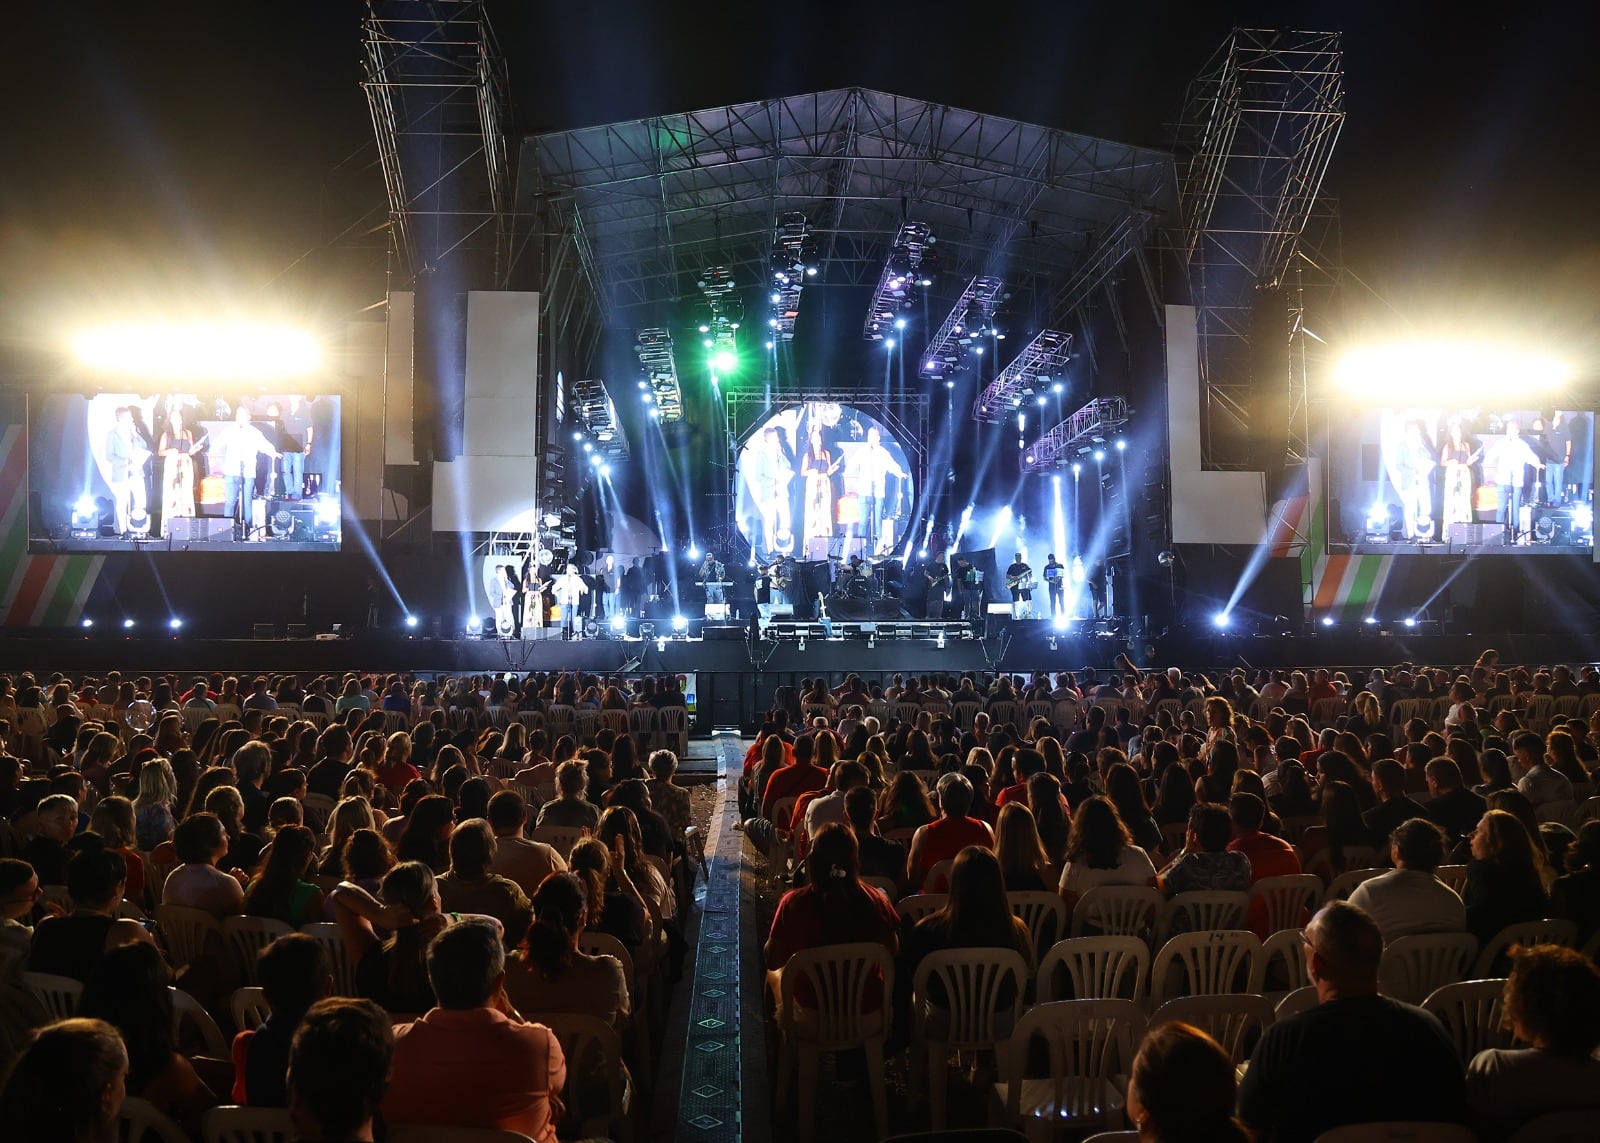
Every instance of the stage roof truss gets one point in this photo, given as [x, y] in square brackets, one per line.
[1041, 360]
[598, 413]
[1075, 436]
[902, 281]
[656, 198]
[654, 347]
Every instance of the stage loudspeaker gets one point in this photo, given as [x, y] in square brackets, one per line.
[722, 632]
[264, 630]
[439, 357]
[299, 630]
[1269, 386]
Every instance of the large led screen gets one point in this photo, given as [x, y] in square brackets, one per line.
[1443, 481]
[823, 480]
[182, 472]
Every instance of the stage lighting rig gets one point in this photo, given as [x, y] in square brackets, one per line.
[794, 258]
[654, 348]
[599, 416]
[974, 310]
[1057, 448]
[1044, 357]
[716, 284]
[902, 279]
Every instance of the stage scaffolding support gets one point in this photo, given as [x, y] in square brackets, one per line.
[1258, 130]
[1076, 435]
[1043, 358]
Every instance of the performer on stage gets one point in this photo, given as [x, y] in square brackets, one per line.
[125, 458]
[868, 475]
[1416, 465]
[1097, 590]
[633, 588]
[1055, 579]
[511, 598]
[1019, 578]
[1509, 465]
[570, 589]
[970, 580]
[177, 448]
[937, 575]
[771, 474]
[235, 453]
[711, 576]
[295, 434]
[1458, 456]
[818, 466]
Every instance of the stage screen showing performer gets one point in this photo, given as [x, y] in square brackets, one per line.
[823, 481]
[1438, 481]
[184, 472]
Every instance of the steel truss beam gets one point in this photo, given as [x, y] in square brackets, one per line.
[947, 350]
[901, 282]
[1044, 357]
[1075, 435]
[1258, 131]
[654, 347]
[594, 407]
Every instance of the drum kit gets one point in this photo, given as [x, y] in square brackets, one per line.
[859, 579]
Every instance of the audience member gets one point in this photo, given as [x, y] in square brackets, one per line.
[339, 1070]
[1207, 862]
[1182, 1088]
[1409, 900]
[1101, 852]
[68, 1085]
[470, 886]
[73, 945]
[946, 836]
[294, 974]
[550, 973]
[201, 842]
[523, 860]
[1506, 877]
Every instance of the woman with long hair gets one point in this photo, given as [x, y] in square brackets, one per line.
[426, 836]
[1324, 848]
[1175, 795]
[1050, 816]
[1101, 852]
[153, 805]
[905, 804]
[1507, 879]
[1127, 794]
[129, 990]
[617, 907]
[1024, 865]
[549, 973]
[1496, 771]
[392, 971]
[280, 890]
[176, 447]
[834, 906]
[67, 1085]
[619, 830]
[348, 816]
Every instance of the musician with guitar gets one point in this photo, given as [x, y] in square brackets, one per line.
[937, 575]
[126, 455]
[1019, 578]
[713, 577]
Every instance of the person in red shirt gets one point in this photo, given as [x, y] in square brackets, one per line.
[396, 772]
[1269, 856]
[941, 840]
[797, 778]
[1024, 765]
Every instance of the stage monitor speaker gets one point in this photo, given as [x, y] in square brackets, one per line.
[723, 632]
[200, 530]
[264, 630]
[299, 630]
[1475, 535]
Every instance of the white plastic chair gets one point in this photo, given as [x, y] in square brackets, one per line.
[249, 1008]
[246, 937]
[1205, 964]
[592, 1048]
[1235, 1021]
[58, 994]
[1202, 910]
[1298, 1001]
[674, 729]
[1340, 888]
[973, 981]
[1549, 931]
[327, 934]
[1399, 1133]
[247, 1125]
[1116, 1136]
[838, 1018]
[919, 905]
[1286, 947]
[1094, 968]
[1119, 911]
[186, 1010]
[1413, 968]
[191, 933]
[1089, 1042]
[560, 838]
[1045, 914]
[142, 1119]
[938, 878]
[1470, 1012]
[1288, 900]
[1454, 876]
[885, 885]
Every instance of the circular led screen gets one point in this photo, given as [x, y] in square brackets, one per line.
[823, 480]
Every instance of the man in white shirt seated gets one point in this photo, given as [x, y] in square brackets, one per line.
[829, 807]
[1409, 899]
[1540, 783]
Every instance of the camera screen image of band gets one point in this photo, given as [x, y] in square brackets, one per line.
[194, 469]
[823, 480]
[1452, 480]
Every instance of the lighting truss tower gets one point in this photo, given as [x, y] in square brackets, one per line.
[436, 88]
[1078, 434]
[1042, 358]
[1258, 129]
[972, 315]
[901, 281]
[722, 298]
[598, 415]
[794, 258]
[654, 348]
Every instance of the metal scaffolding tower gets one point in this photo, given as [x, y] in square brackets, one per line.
[1258, 129]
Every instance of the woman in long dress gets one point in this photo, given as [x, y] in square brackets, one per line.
[1458, 456]
[177, 448]
[817, 466]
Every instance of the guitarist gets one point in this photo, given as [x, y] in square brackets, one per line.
[1019, 578]
[937, 574]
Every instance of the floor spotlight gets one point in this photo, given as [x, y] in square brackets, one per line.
[1059, 623]
[1327, 621]
[474, 625]
[1371, 620]
[175, 623]
[411, 621]
[1410, 621]
[1220, 619]
[87, 622]
[679, 623]
[619, 623]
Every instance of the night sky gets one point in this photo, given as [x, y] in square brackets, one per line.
[152, 152]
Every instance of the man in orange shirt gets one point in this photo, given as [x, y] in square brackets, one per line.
[472, 1061]
[950, 834]
[799, 777]
[1269, 856]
